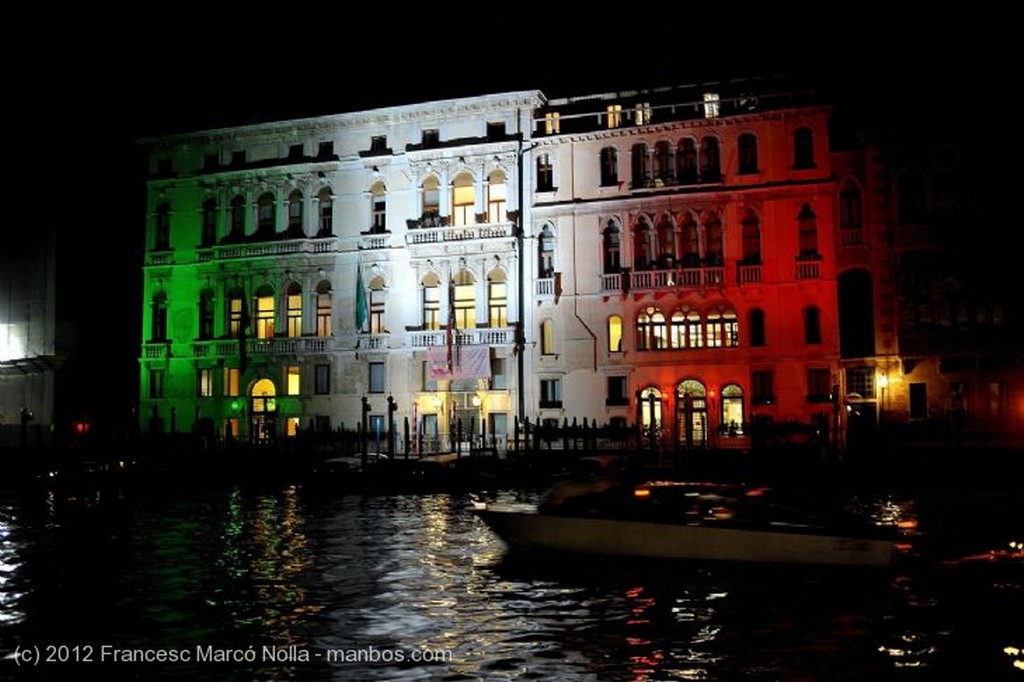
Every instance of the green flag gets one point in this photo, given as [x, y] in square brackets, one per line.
[362, 314]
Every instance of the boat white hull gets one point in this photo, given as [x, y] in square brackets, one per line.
[613, 537]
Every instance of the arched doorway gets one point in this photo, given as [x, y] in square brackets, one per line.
[692, 413]
[263, 412]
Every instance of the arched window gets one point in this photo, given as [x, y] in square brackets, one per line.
[546, 253]
[710, 160]
[713, 240]
[730, 329]
[666, 247]
[663, 162]
[614, 334]
[643, 330]
[640, 165]
[431, 197]
[323, 309]
[465, 300]
[748, 153]
[162, 236]
[803, 148]
[713, 329]
[609, 167]
[694, 330]
[208, 234]
[757, 328]
[497, 299]
[547, 337]
[659, 334]
[643, 247]
[264, 305]
[378, 295]
[850, 213]
[690, 241]
[807, 226]
[812, 325]
[158, 320]
[378, 208]
[650, 409]
[497, 198]
[751, 234]
[677, 330]
[463, 200]
[732, 410]
[237, 217]
[326, 213]
[686, 161]
[238, 315]
[293, 309]
[612, 248]
[266, 207]
[206, 314]
[295, 228]
[431, 302]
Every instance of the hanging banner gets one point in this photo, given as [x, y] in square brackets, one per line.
[460, 362]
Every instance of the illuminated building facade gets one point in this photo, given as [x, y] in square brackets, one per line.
[689, 259]
[303, 273]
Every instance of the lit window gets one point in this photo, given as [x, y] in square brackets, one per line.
[677, 330]
[694, 330]
[291, 427]
[497, 300]
[614, 334]
[431, 303]
[547, 337]
[463, 200]
[293, 384]
[712, 102]
[431, 196]
[614, 115]
[323, 309]
[294, 310]
[465, 306]
[497, 199]
[236, 313]
[264, 313]
[643, 113]
[204, 382]
[231, 379]
[377, 299]
[552, 124]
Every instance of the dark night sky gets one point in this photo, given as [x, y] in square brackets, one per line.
[86, 84]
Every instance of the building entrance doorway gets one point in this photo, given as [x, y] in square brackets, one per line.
[692, 413]
[263, 411]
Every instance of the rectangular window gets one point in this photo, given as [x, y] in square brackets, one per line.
[499, 382]
[378, 143]
[295, 152]
[322, 379]
[323, 315]
[861, 380]
[552, 124]
[497, 305]
[819, 385]
[231, 426]
[545, 174]
[291, 427]
[377, 311]
[617, 392]
[238, 158]
[643, 113]
[431, 138]
[465, 306]
[231, 378]
[763, 387]
[325, 150]
[496, 130]
[211, 162]
[918, 400]
[376, 377]
[431, 307]
[156, 383]
[614, 115]
[293, 383]
[428, 383]
[294, 315]
[712, 101]
[204, 382]
[265, 317]
[550, 393]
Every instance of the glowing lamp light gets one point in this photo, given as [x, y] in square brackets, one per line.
[883, 381]
[641, 493]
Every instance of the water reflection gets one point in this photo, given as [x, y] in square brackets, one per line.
[388, 577]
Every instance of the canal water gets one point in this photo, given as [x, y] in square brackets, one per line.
[282, 581]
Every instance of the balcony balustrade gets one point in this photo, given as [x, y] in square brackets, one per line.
[456, 233]
[483, 336]
[748, 274]
[659, 280]
[224, 348]
[808, 269]
[267, 249]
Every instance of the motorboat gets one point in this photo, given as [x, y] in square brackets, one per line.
[707, 521]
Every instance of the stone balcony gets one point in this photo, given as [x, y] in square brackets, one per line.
[223, 348]
[483, 336]
[267, 249]
[696, 279]
[458, 233]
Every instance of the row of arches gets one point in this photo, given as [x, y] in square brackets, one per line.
[690, 412]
